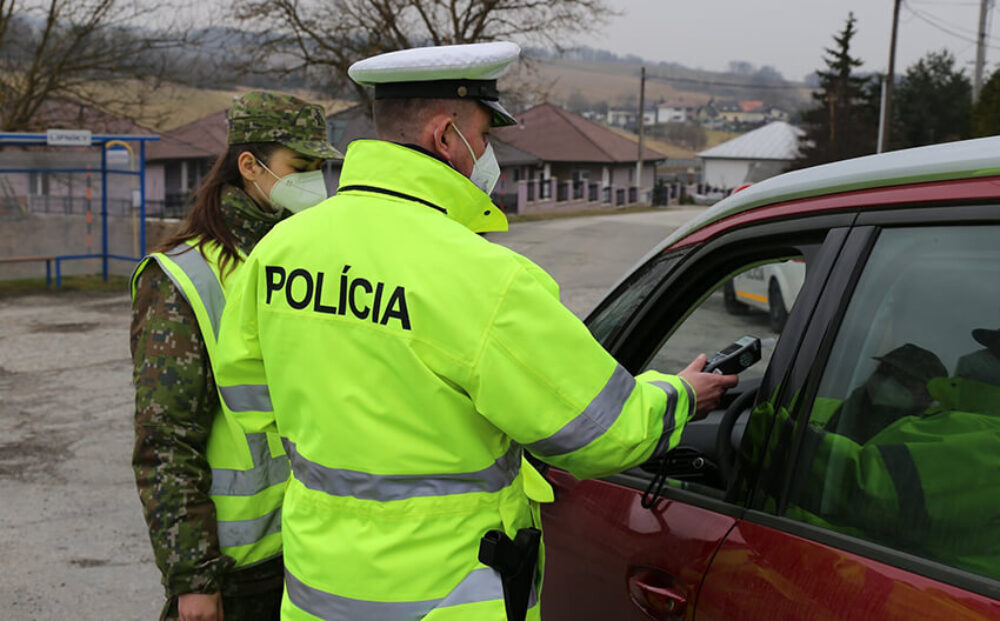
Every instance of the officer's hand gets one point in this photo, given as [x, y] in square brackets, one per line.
[200, 607]
[708, 387]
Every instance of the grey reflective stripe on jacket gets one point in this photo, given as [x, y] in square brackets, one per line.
[388, 487]
[197, 269]
[480, 585]
[669, 415]
[247, 398]
[267, 470]
[234, 533]
[599, 415]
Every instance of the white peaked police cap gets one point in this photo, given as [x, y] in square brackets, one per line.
[442, 72]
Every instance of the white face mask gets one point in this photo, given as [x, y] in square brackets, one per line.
[486, 170]
[297, 191]
[891, 392]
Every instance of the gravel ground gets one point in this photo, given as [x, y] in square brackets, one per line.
[73, 543]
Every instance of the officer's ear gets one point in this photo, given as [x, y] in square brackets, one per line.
[443, 141]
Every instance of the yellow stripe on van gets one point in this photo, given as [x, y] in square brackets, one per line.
[752, 296]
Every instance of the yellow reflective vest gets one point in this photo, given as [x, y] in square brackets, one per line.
[249, 470]
[407, 363]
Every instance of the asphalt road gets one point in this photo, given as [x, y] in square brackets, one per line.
[73, 544]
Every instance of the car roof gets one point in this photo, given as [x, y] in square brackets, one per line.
[943, 162]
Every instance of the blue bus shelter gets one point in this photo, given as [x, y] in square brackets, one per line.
[83, 138]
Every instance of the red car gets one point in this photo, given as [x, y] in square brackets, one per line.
[855, 471]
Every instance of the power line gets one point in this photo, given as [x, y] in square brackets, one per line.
[930, 21]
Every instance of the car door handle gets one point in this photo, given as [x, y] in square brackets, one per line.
[654, 593]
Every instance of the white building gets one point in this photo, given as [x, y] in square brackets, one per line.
[752, 157]
[674, 112]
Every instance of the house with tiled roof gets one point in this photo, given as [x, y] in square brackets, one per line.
[178, 162]
[583, 163]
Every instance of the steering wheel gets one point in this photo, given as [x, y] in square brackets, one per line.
[724, 450]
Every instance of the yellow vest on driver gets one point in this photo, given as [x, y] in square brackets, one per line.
[407, 363]
[249, 470]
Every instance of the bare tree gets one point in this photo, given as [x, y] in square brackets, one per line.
[322, 38]
[110, 55]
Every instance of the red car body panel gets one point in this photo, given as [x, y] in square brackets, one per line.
[597, 535]
[762, 573]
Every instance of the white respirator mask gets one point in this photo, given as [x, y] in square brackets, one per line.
[297, 191]
[486, 170]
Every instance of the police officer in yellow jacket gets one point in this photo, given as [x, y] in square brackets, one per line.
[407, 363]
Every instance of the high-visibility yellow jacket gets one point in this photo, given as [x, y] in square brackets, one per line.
[406, 363]
[249, 470]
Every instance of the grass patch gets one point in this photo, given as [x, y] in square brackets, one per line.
[89, 282]
[600, 211]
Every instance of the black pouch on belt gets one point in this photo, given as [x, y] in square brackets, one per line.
[515, 560]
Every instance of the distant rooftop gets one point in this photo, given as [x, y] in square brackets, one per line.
[204, 138]
[557, 135]
[774, 141]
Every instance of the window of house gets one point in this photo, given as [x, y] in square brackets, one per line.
[38, 183]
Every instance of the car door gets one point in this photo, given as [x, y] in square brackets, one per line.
[608, 555]
[877, 494]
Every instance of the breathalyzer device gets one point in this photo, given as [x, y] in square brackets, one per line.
[735, 358]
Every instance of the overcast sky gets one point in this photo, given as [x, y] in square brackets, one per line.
[791, 34]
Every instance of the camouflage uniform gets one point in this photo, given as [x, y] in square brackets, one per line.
[176, 398]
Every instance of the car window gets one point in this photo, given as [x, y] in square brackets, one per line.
[903, 435]
[742, 305]
[610, 317]
[755, 302]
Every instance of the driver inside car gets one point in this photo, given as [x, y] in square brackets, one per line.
[897, 388]
[889, 486]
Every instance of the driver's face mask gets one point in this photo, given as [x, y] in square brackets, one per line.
[486, 170]
[890, 392]
[297, 191]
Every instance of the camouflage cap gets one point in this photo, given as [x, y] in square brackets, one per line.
[264, 116]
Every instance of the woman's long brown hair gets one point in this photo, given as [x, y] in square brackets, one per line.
[205, 219]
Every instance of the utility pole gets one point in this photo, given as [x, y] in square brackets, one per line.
[642, 113]
[977, 81]
[885, 120]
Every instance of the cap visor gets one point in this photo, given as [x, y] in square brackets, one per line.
[501, 118]
[987, 338]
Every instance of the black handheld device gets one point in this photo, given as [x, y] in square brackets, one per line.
[735, 358]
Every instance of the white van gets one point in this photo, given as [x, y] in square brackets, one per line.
[771, 288]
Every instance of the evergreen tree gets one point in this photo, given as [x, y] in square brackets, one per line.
[844, 123]
[933, 103]
[986, 111]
